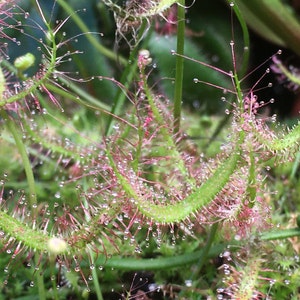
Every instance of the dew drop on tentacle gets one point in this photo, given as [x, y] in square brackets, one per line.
[77, 269]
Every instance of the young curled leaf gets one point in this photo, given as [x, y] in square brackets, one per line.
[24, 62]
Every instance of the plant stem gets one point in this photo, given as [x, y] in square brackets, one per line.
[207, 247]
[95, 279]
[40, 283]
[179, 65]
[25, 159]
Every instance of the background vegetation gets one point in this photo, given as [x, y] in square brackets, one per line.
[140, 155]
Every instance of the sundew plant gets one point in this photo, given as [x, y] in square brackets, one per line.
[117, 182]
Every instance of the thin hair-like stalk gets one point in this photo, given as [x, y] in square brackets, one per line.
[179, 65]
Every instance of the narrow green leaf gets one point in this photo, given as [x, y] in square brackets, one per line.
[179, 211]
[273, 20]
[280, 234]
